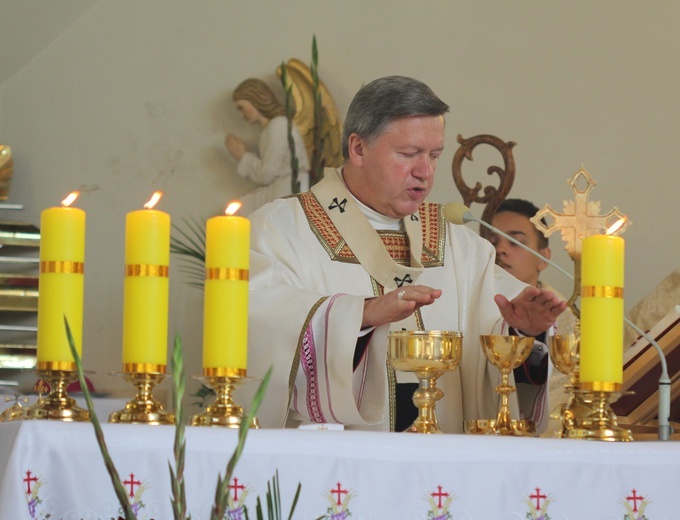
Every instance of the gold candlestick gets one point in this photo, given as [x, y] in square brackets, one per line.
[506, 353]
[143, 408]
[428, 354]
[57, 405]
[224, 411]
[601, 423]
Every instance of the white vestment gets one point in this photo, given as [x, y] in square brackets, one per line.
[271, 168]
[307, 298]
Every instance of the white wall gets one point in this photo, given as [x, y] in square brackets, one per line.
[135, 96]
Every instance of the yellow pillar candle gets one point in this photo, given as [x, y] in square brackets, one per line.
[146, 289]
[60, 284]
[601, 365]
[225, 320]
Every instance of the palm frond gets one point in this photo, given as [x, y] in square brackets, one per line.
[178, 500]
[189, 244]
[222, 488]
[121, 494]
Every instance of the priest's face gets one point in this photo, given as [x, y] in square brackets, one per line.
[518, 262]
[396, 170]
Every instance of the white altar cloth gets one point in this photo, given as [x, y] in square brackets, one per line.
[372, 476]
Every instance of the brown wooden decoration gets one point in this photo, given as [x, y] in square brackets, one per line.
[493, 196]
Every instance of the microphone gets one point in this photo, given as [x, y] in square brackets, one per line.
[458, 213]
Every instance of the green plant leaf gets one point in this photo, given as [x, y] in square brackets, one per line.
[121, 494]
[189, 244]
[178, 500]
[222, 488]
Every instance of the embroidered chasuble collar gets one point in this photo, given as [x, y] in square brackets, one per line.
[392, 258]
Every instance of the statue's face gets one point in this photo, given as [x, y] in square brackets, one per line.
[248, 111]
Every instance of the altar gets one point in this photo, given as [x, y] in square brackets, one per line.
[55, 468]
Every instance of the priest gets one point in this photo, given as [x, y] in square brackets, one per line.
[335, 269]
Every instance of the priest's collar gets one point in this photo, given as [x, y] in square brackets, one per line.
[377, 220]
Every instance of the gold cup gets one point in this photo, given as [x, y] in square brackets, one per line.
[564, 354]
[428, 354]
[506, 353]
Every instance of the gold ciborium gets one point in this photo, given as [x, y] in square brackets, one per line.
[506, 353]
[428, 354]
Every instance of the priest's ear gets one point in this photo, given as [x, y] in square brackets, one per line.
[356, 148]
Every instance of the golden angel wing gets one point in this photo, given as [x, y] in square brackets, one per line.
[6, 168]
[302, 90]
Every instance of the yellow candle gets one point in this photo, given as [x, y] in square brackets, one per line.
[61, 284]
[225, 320]
[146, 290]
[601, 365]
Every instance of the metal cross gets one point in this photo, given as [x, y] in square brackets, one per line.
[581, 217]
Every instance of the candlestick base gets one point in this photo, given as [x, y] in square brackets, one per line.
[224, 411]
[57, 405]
[143, 408]
[601, 423]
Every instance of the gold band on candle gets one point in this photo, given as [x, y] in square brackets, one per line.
[601, 291]
[143, 368]
[62, 267]
[227, 273]
[64, 366]
[600, 386]
[224, 372]
[160, 271]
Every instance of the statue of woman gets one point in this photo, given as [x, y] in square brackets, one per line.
[271, 166]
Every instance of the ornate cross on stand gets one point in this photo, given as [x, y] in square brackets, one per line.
[582, 416]
[581, 218]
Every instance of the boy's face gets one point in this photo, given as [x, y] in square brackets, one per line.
[518, 262]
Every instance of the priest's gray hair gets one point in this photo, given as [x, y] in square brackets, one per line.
[384, 100]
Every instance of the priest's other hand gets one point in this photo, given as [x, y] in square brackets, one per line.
[397, 305]
[533, 311]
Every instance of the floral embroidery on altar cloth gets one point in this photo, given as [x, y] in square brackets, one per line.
[33, 501]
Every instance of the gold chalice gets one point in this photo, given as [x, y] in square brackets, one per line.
[428, 354]
[506, 353]
[564, 353]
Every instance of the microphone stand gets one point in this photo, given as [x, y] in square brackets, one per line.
[664, 410]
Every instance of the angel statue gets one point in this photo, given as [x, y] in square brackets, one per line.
[6, 169]
[316, 117]
[270, 168]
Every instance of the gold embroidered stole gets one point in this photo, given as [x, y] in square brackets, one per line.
[391, 258]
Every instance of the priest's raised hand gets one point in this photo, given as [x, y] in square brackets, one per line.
[532, 311]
